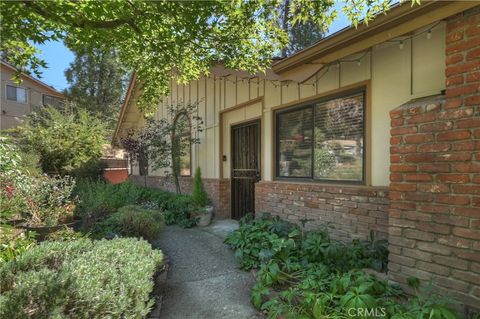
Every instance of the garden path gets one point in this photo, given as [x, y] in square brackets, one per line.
[203, 279]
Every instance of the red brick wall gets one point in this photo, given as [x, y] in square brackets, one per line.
[352, 210]
[218, 190]
[434, 218]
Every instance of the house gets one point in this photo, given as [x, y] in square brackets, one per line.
[18, 100]
[370, 129]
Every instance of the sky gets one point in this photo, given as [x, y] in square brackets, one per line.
[59, 57]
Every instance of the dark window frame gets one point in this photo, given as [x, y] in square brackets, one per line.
[57, 102]
[311, 104]
[16, 93]
[186, 134]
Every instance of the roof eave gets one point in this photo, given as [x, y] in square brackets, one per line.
[131, 86]
[351, 37]
[50, 90]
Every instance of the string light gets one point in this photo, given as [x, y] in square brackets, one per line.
[334, 64]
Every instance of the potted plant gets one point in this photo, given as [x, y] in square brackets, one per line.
[203, 210]
[49, 204]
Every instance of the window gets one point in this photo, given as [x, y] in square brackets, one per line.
[51, 100]
[323, 140]
[185, 157]
[182, 124]
[16, 94]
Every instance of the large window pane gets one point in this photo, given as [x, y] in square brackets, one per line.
[182, 127]
[16, 94]
[185, 157]
[295, 143]
[11, 93]
[21, 95]
[338, 149]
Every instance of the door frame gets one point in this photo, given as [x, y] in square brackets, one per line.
[257, 121]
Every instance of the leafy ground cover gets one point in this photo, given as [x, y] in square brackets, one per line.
[310, 275]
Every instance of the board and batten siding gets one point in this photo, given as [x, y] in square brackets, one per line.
[395, 75]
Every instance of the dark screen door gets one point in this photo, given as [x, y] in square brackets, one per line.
[245, 167]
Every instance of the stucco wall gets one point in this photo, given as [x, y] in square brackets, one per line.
[396, 76]
[12, 112]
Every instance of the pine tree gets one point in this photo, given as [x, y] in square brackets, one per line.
[199, 196]
[97, 83]
[300, 35]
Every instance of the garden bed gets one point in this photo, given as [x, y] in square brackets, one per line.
[303, 274]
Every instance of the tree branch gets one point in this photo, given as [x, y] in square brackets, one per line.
[83, 23]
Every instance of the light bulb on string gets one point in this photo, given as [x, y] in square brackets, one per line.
[401, 45]
[429, 34]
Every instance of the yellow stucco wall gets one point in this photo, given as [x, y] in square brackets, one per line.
[395, 76]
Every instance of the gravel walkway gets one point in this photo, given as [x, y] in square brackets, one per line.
[203, 280]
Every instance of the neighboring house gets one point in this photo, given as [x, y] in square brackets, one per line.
[19, 99]
[370, 129]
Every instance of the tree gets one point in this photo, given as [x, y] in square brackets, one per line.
[300, 35]
[97, 83]
[163, 142]
[161, 39]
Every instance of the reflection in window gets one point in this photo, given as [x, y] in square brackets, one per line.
[16, 94]
[339, 139]
[295, 143]
[183, 127]
[51, 100]
[185, 157]
[323, 141]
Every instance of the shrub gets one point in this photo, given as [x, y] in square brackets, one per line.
[131, 220]
[13, 245]
[199, 196]
[42, 200]
[65, 140]
[80, 279]
[98, 200]
[65, 234]
[48, 200]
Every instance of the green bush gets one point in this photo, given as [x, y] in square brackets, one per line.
[131, 221]
[98, 200]
[65, 140]
[12, 245]
[65, 234]
[80, 279]
[41, 199]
